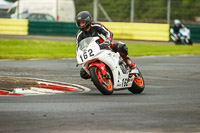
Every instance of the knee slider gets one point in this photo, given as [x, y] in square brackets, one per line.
[83, 74]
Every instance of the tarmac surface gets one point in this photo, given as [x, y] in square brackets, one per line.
[65, 38]
[169, 103]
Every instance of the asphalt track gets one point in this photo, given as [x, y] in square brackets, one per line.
[65, 38]
[169, 103]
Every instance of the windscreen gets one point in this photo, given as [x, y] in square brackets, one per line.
[85, 42]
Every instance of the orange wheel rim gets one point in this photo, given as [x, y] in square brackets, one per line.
[139, 82]
[105, 82]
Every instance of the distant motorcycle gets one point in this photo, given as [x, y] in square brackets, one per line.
[183, 36]
[107, 69]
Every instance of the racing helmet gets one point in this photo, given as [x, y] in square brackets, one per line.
[177, 22]
[83, 16]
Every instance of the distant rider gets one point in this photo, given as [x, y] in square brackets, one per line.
[87, 28]
[175, 30]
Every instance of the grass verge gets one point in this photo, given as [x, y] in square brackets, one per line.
[42, 49]
[37, 49]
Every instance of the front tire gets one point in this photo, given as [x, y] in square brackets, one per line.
[138, 84]
[105, 86]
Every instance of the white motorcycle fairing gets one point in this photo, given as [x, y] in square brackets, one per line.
[88, 51]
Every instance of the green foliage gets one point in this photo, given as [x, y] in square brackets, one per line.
[84, 5]
[150, 10]
[117, 10]
[145, 10]
[185, 9]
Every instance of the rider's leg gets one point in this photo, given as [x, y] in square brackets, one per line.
[123, 51]
[84, 74]
[127, 60]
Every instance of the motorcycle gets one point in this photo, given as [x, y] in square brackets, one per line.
[107, 69]
[183, 36]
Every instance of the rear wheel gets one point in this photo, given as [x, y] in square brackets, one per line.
[138, 84]
[103, 84]
[190, 42]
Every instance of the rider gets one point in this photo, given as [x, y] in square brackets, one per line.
[175, 29]
[87, 28]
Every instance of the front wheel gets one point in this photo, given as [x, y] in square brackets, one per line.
[103, 84]
[138, 84]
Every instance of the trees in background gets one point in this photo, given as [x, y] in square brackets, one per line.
[145, 10]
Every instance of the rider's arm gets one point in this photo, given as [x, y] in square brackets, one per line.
[78, 37]
[103, 30]
[172, 31]
[182, 26]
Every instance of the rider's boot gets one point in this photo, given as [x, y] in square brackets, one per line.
[129, 62]
[84, 74]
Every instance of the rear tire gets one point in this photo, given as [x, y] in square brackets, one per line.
[105, 86]
[138, 85]
[190, 42]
